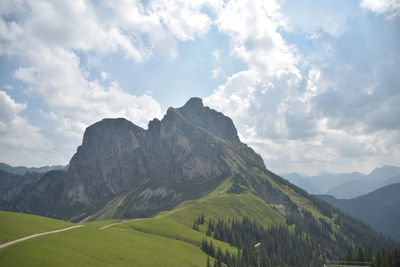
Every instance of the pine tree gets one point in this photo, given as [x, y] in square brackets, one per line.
[208, 262]
[202, 218]
[211, 249]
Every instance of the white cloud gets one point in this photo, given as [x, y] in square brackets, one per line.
[390, 8]
[9, 108]
[216, 72]
[254, 36]
[184, 18]
[216, 54]
[104, 75]
[323, 117]
[70, 25]
[74, 101]
[17, 136]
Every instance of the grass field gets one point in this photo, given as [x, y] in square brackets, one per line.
[227, 206]
[169, 228]
[118, 245]
[16, 225]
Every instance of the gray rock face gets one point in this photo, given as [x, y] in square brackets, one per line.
[192, 149]
[209, 119]
[108, 161]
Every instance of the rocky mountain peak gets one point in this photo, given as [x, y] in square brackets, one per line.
[109, 131]
[209, 119]
[194, 103]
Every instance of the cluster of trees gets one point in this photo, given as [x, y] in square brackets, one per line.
[309, 242]
[220, 257]
[279, 246]
[199, 220]
[381, 258]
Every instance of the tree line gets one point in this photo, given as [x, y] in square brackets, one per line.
[382, 258]
[307, 243]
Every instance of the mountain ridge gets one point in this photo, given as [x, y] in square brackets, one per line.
[379, 208]
[22, 170]
[346, 185]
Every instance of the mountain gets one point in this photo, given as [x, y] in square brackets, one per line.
[377, 178]
[380, 209]
[322, 182]
[189, 165]
[21, 170]
[301, 182]
[122, 170]
[384, 172]
[392, 180]
[346, 185]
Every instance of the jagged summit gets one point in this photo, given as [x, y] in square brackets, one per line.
[210, 119]
[193, 111]
[108, 130]
[194, 102]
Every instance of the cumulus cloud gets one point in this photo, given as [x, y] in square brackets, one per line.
[254, 37]
[184, 18]
[333, 109]
[17, 136]
[74, 102]
[390, 8]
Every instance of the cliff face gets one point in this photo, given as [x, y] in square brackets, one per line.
[108, 161]
[191, 150]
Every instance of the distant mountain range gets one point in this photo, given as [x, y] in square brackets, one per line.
[346, 185]
[380, 209]
[21, 170]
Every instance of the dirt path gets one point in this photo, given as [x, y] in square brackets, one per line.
[36, 235]
[121, 222]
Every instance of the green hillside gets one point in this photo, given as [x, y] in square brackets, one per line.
[16, 225]
[150, 242]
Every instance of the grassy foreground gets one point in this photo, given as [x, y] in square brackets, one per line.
[16, 225]
[164, 240]
[90, 246]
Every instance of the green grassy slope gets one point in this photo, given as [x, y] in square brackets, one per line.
[89, 246]
[169, 228]
[16, 225]
[227, 206]
[150, 242]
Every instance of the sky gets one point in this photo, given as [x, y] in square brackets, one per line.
[312, 86]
